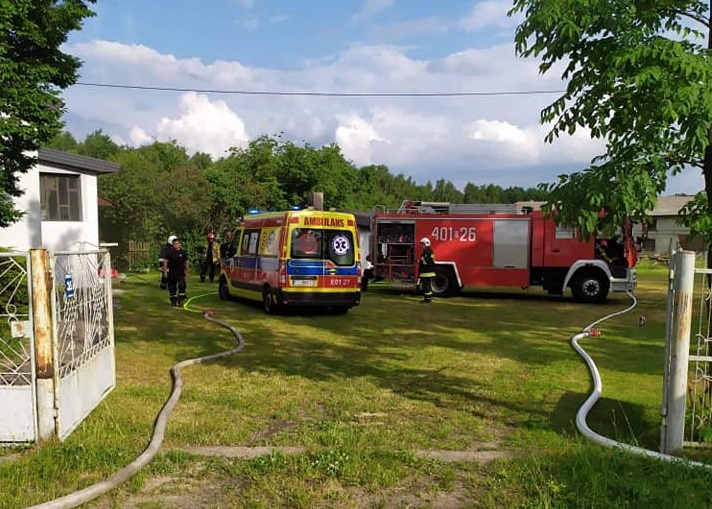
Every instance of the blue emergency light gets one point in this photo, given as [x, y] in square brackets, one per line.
[253, 210]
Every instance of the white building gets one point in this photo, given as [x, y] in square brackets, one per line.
[663, 234]
[60, 203]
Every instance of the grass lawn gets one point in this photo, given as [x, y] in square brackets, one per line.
[468, 402]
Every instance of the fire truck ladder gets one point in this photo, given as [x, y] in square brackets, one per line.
[433, 207]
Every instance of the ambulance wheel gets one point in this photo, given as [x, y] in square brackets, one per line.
[223, 291]
[590, 287]
[443, 284]
[269, 303]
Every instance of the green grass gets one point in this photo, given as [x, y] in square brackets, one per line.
[363, 394]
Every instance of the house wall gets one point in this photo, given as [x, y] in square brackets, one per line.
[31, 232]
[667, 234]
[364, 237]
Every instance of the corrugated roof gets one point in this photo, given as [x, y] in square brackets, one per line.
[666, 205]
[75, 162]
[670, 205]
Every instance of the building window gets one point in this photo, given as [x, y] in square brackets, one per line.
[60, 197]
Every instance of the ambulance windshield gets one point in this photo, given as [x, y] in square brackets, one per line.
[334, 245]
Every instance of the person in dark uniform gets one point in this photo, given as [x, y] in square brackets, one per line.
[209, 258]
[175, 268]
[227, 250]
[426, 269]
[161, 257]
[367, 274]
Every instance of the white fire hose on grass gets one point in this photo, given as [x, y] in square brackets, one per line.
[95, 490]
[87, 494]
[582, 414]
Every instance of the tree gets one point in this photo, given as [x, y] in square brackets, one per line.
[33, 71]
[65, 142]
[99, 145]
[639, 77]
[446, 191]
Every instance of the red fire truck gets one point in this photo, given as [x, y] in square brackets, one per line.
[499, 245]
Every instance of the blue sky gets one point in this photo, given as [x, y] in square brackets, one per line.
[364, 46]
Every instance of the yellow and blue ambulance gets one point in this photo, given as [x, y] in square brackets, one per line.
[298, 258]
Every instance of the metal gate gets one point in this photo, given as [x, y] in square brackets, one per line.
[698, 418]
[18, 419]
[687, 382]
[76, 332]
[84, 335]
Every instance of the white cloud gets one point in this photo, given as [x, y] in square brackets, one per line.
[483, 139]
[250, 23]
[501, 132]
[356, 137]
[280, 18]
[203, 126]
[488, 14]
[371, 8]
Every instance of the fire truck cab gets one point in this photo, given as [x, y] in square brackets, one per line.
[485, 245]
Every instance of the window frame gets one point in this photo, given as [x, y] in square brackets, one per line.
[62, 197]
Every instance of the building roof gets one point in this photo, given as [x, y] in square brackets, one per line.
[75, 162]
[670, 205]
[665, 206]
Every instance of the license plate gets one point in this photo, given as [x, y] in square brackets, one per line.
[303, 282]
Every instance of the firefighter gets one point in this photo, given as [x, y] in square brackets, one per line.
[209, 257]
[426, 269]
[227, 250]
[175, 269]
[161, 258]
[367, 274]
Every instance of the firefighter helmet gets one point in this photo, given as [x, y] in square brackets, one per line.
[171, 239]
[425, 241]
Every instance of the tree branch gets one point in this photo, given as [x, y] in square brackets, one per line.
[696, 17]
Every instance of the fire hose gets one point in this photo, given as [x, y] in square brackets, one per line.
[95, 490]
[91, 492]
[591, 331]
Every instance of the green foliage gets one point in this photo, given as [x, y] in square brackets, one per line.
[33, 71]
[639, 78]
[98, 145]
[160, 190]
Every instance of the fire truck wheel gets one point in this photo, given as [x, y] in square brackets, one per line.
[590, 287]
[443, 283]
[269, 303]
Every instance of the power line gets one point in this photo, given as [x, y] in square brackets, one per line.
[319, 94]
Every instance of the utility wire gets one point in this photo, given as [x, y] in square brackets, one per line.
[319, 94]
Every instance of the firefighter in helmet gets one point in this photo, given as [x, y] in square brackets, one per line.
[426, 269]
[209, 257]
[165, 250]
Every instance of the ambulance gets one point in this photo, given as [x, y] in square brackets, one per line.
[298, 258]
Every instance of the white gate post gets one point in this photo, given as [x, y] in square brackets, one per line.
[677, 349]
[44, 358]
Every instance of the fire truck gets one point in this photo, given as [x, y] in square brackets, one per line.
[485, 245]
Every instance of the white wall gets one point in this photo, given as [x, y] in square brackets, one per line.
[364, 236]
[31, 232]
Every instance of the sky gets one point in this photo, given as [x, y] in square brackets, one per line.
[327, 46]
